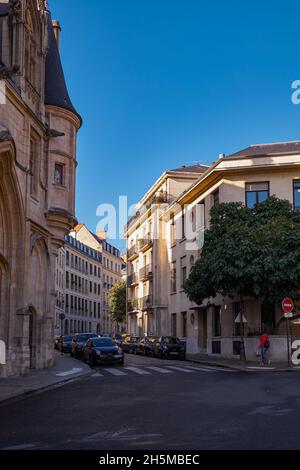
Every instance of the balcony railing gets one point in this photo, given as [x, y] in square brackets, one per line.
[147, 302]
[132, 252]
[146, 243]
[161, 197]
[133, 304]
[146, 272]
[132, 279]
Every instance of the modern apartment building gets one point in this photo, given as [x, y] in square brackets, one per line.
[147, 264]
[248, 176]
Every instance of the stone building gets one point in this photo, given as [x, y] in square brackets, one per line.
[38, 131]
[213, 328]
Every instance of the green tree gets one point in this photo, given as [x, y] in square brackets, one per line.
[117, 302]
[249, 252]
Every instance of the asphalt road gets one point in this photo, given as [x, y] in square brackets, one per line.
[155, 404]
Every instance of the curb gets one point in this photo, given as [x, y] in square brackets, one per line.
[239, 368]
[22, 395]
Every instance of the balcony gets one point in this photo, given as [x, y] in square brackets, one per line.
[132, 305]
[146, 243]
[146, 273]
[132, 253]
[132, 280]
[147, 302]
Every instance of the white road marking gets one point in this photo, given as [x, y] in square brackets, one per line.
[159, 369]
[98, 375]
[181, 369]
[137, 370]
[75, 370]
[20, 447]
[202, 369]
[260, 368]
[115, 371]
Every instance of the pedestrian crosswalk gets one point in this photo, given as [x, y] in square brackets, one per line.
[144, 370]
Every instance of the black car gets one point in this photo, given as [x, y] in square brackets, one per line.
[102, 351]
[169, 347]
[78, 343]
[146, 346]
[130, 344]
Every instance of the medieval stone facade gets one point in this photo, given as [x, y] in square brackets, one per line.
[38, 131]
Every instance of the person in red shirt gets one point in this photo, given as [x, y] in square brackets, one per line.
[263, 348]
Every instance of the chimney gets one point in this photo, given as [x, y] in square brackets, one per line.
[221, 155]
[57, 31]
[101, 234]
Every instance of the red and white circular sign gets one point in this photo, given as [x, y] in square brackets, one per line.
[287, 305]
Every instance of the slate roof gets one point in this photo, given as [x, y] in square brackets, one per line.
[276, 148]
[56, 92]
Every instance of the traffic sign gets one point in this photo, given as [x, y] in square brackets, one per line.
[287, 306]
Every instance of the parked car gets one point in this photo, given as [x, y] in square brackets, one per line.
[102, 351]
[118, 339]
[146, 346]
[56, 342]
[169, 347]
[130, 344]
[78, 343]
[66, 345]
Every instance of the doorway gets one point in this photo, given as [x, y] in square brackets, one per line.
[202, 330]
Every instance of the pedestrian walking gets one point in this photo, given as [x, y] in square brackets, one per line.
[263, 349]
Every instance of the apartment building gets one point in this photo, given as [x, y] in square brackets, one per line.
[248, 176]
[147, 264]
[112, 264]
[60, 288]
[83, 288]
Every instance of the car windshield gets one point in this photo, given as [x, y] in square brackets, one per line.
[82, 338]
[103, 342]
[171, 340]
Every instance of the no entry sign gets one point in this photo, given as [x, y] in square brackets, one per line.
[287, 306]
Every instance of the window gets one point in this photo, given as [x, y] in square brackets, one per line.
[192, 261]
[183, 270]
[182, 224]
[236, 313]
[174, 325]
[33, 165]
[194, 219]
[296, 187]
[173, 278]
[184, 324]
[217, 321]
[216, 197]
[59, 174]
[255, 193]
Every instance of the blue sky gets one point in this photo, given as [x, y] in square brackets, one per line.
[165, 83]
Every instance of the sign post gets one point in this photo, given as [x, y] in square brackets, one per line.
[288, 307]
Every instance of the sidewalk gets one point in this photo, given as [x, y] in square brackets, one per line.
[65, 369]
[216, 361]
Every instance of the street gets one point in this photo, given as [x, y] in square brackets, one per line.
[155, 404]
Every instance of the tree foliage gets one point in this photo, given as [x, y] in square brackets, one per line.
[249, 252]
[117, 302]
